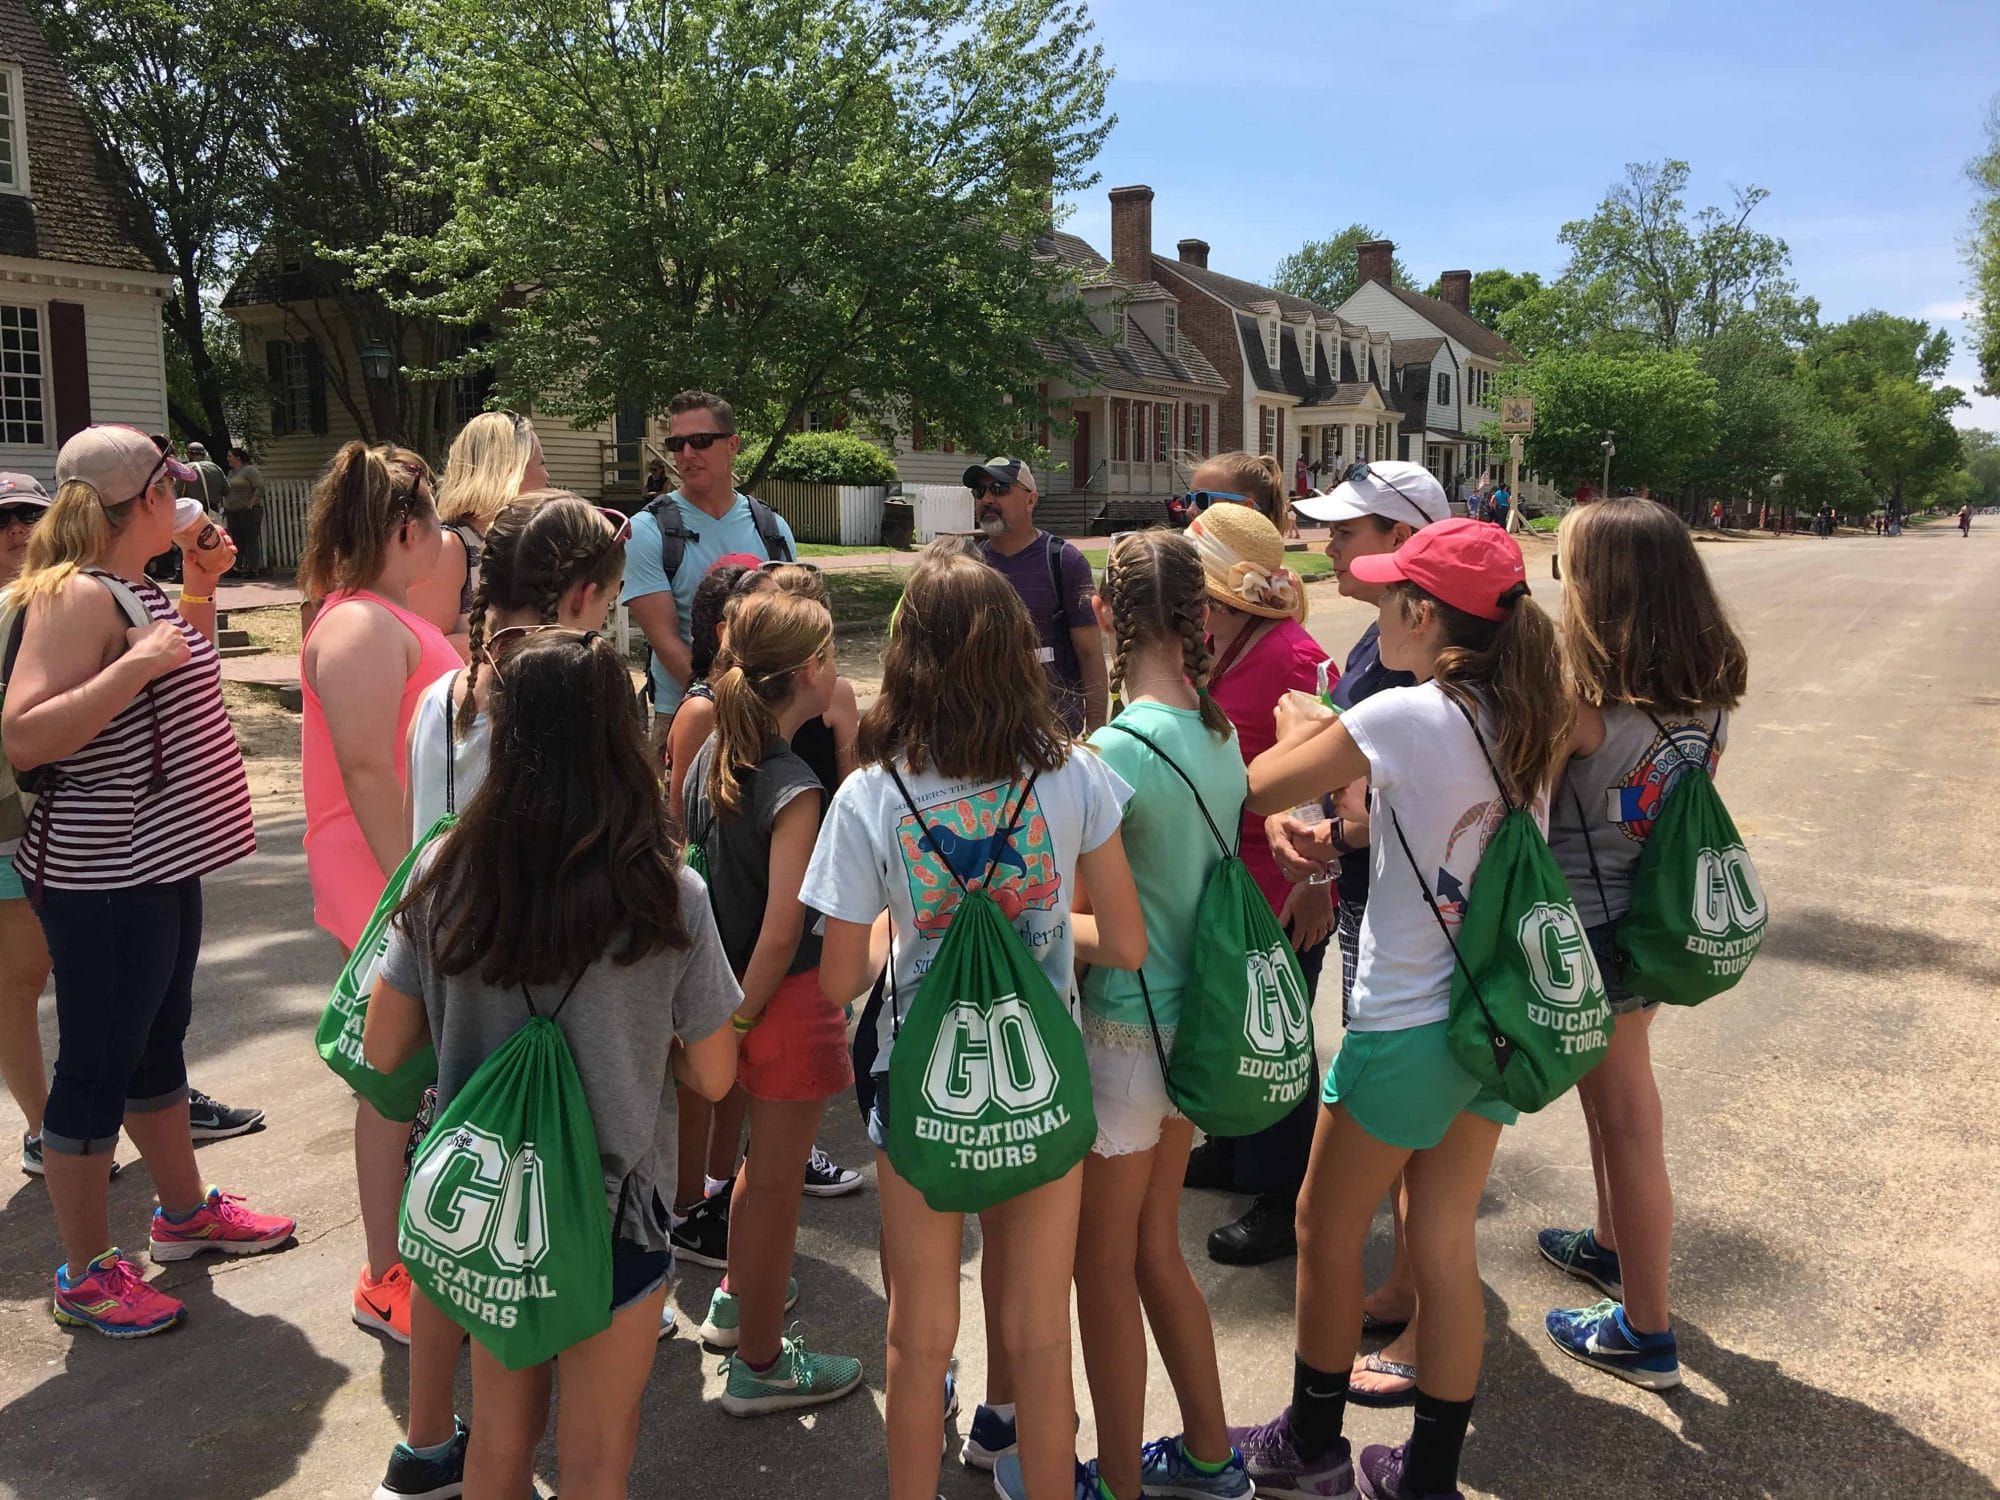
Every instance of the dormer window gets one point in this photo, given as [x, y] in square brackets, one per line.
[13, 132]
[1173, 328]
[1124, 324]
[1306, 342]
[1271, 341]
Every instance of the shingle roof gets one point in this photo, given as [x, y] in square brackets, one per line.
[77, 212]
[1244, 293]
[262, 280]
[1467, 329]
[1137, 364]
[1324, 389]
[1077, 254]
[1414, 351]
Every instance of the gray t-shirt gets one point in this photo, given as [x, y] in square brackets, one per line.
[1619, 790]
[739, 848]
[620, 1022]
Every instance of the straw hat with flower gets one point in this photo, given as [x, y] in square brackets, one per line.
[1244, 559]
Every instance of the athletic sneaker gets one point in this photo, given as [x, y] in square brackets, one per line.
[950, 1408]
[987, 1439]
[384, 1305]
[1010, 1483]
[31, 1157]
[799, 1378]
[413, 1477]
[1166, 1469]
[1381, 1474]
[668, 1321]
[1577, 1252]
[221, 1224]
[114, 1299]
[1601, 1336]
[211, 1121]
[826, 1178]
[1275, 1467]
[722, 1327]
[703, 1236]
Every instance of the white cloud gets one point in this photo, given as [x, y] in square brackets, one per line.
[1948, 312]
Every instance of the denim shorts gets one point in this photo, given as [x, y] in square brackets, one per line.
[1623, 1001]
[636, 1272]
[878, 1110]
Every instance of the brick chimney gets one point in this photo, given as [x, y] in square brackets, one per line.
[1455, 288]
[1375, 259]
[1132, 232]
[1194, 252]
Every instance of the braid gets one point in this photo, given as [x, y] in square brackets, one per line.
[475, 647]
[1120, 581]
[1197, 661]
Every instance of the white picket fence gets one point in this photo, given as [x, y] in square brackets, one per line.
[285, 503]
[847, 514]
[940, 509]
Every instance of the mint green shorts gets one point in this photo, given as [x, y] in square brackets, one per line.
[1405, 1088]
[11, 888]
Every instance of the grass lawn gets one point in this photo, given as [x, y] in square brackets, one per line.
[834, 549]
[864, 597]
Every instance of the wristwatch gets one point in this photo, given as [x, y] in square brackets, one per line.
[1338, 836]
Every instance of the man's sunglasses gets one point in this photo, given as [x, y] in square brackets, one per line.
[999, 489]
[1200, 500]
[25, 515]
[1359, 470]
[701, 442]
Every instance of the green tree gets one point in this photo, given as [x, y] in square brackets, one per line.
[1648, 269]
[1324, 271]
[1876, 370]
[1770, 424]
[180, 95]
[1662, 408]
[1982, 252]
[1981, 450]
[790, 203]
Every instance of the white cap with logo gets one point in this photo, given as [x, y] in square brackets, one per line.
[1394, 489]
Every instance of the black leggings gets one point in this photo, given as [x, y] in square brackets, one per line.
[124, 968]
[1274, 1159]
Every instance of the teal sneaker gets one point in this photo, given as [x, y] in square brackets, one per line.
[1166, 1470]
[722, 1328]
[799, 1378]
[1577, 1252]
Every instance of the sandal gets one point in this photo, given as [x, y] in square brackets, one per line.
[1373, 1327]
[1374, 1364]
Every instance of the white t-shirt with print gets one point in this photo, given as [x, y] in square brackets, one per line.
[430, 731]
[871, 855]
[1425, 765]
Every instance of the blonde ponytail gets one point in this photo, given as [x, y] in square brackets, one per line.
[773, 636]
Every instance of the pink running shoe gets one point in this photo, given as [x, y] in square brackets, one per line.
[113, 1298]
[222, 1224]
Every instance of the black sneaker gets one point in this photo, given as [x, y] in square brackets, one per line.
[703, 1236]
[210, 1121]
[1265, 1232]
[414, 1478]
[1212, 1167]
[31, 1157]
[826, 1178]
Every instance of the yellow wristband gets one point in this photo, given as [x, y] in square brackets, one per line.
[197, 598]
[744, 1023]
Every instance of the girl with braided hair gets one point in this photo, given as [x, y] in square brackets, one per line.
[1169, 743]
[753, 807]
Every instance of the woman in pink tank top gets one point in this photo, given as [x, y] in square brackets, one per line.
[372, 535]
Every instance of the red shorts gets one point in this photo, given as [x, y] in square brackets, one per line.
[798, 1049]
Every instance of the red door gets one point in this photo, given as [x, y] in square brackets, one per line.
[1079, 458]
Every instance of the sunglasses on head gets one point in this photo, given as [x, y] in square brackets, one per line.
[777, 562]
[1199, 500]
[504, 643]
[620, 523]
[701, 442]
[1360, 470]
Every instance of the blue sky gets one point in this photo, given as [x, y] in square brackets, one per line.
[1468, 131]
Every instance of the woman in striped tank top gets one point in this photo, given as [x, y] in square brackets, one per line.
[141, 793]
[371, 536]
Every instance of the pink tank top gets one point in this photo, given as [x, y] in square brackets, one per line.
[346, 880]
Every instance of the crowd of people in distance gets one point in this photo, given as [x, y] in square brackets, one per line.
[734, 896]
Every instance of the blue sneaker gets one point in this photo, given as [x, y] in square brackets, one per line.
[1166, 1469]
[1577, 1252]
[1011, 1484]
[1601, 1337]
[413, 1476]
[989, 1436]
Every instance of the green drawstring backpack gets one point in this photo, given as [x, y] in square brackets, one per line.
[989, 1088]
[1243, 1051]
[1529, 1015]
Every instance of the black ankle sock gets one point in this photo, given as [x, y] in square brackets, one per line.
[1430, 1463]
[1319, 1406]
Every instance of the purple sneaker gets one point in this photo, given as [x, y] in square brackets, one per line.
[1279, 1473]
[1382, 1476]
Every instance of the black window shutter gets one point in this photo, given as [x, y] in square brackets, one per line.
[274, 368]
[316, 385]
[69, 369]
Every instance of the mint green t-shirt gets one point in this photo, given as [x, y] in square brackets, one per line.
[1171, 851]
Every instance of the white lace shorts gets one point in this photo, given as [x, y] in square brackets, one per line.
[1126, 1086]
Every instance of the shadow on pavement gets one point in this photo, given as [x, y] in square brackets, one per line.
[1877, 945]
[1746, 1428]
[224, 1406]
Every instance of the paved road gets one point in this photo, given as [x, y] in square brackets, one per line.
[1832, 1127]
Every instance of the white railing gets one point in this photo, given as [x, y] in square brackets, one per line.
[285, 503]
[939, 509]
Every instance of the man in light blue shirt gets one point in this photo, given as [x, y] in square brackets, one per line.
[713, 520]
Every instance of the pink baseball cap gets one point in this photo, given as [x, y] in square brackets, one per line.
[119, 462]
[1470, 565]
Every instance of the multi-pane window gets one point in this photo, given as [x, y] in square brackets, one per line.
[1121, 431]
[291, 395]
[1173, 328]
[1267, 425]
[1444, 390]
[1197, 429]
[1163, 431]
[1271, 342]
[13, 133]
[23, 418]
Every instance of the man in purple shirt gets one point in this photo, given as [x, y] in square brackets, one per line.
[1053, 580]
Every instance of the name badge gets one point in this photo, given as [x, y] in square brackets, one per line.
[1046, 655]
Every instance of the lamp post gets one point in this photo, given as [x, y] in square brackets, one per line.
[378, 370]
[1608, 448]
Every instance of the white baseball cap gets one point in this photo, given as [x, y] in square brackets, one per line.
[1394, 489]
[119, 462]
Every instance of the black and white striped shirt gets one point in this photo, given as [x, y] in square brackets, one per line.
[103, 821]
